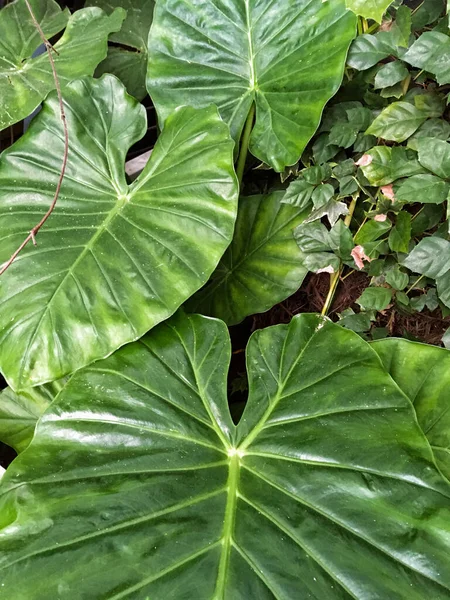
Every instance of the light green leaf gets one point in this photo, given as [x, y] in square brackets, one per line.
[316, 175]
[370, 9]
[25, 81]
[433, 128]
[128, 59]
[434, 155]
[431, 257]
[137, 484]
[372, 230]
[114, 259]
[19, 413]
[322, 194]
[397, 278]
[367, 51]
[375, 298]
[431, 104]
[389, 164]
[423, 373]
[287, 57]
[431, 52]
[298, 193]
[400, 234]
[390, 74]
[343, 134]
[262, 266]
[425, 188]
[397, 122]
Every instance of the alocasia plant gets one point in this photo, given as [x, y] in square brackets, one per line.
[262, 266]
[115, 259]
[423, 372]
[127, 55]
[138, 484]
[25, 81]
[286, 57]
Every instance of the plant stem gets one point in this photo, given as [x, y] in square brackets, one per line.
[33, 233]
[414, 284]
[334, 278]
[244, 144]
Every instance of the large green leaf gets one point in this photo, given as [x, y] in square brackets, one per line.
[19, 413]
[127, 57]
[114, 259]
[137, 484]
[25, 81]
[262, 266]
[286, 56]
[423, 373]
[431, 52]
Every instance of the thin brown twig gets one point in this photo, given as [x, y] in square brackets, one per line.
[33, 233]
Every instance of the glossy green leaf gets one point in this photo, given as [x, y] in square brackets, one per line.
[400, 234]
[287, 57]
[137, 484]
[343, 134]
[390, 74]
[127, 55]
[372, 230]
[262, 266]
[19, 413]
[423, 374]
[114, 259]
[367, 51]
[370, 9]
[434, 155]
[375, 298]
[397, 122]
[298, 193]
[25, 81]
[430, 104]
[430, 257]
[431, 52]
[426, 188]
[433, 128]
[389, 164]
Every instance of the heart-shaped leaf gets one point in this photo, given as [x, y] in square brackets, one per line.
[138, 485]
[423, 373]
[127, 53]
[25, 81]
[286, 56]
[262, 266]
[19, 413]
[114, 259]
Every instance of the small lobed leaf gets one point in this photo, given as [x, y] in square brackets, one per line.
[431, 52]
[375, 298]
[397, 122]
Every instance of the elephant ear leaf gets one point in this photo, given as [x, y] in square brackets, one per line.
[262, 266]
[326, 482]
[26, 81]
[127, 56]
[114, 260]
[286, 57]
[19, 412]
[423, 373]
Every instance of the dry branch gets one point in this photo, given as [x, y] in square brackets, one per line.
[32, 235]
